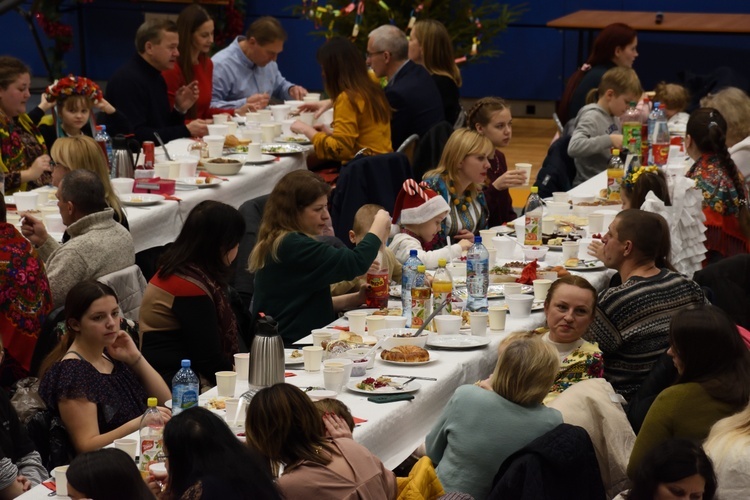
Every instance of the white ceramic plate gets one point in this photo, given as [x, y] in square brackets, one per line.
[289, 360]
[433, 357]
[281, 149]
[457, 341]
[410, 387]
[200, 182]
[140, 199]
[592, 265]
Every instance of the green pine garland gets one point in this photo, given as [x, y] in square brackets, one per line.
[473, 24]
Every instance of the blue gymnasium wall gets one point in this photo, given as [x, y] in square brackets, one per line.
[535, 63]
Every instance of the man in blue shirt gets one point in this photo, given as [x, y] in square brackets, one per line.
[246, 71]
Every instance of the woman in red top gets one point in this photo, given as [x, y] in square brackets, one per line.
[196, 31]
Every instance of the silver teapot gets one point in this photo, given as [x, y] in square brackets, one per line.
[122, 156]
[266, 354]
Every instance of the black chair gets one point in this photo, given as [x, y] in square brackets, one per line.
[558, 169]
[370, 179]
[430, 149]
[729, 284]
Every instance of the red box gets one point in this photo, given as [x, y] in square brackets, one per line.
[155, 185]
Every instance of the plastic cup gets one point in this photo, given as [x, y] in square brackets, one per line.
[242, 365]
[526, 167]
[569, 250]
[61, 480]
[218, 129]
[215, 144]
[596, 223]
[123, 185]
[374, 323]
[497, 316]
[512, 288]
[448, 324]
[268, 131]
[541, 287]
[345, 363]
[479, 321]
[129, 446]
[357, 321]
[231, 405]
[320, 335]
[395, 321]
[333, 378]
[493, 256]
[26, 201]
[504, 246]
[312, 356]
[519, 305]
[225, 384]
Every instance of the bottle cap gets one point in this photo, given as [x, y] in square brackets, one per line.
[421, 268]
[98, 128]
[662, 105]
[185, 363]
[441, 262]
[413, 253]
[477, 239]
[615, 152]
[152, 402]
[534, 189]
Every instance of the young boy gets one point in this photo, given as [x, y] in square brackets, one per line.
[596, 130]
[676, 99]
[419, 211]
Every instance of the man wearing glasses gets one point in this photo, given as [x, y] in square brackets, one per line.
[411, 92]
[246, 71]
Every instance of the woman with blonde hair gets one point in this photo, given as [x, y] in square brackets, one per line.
[431, 46]
[734, 106]
[728, 446]
[459, 178]
[83, 152]
[480, 428]
[293, 270]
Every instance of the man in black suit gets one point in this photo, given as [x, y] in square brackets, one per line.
[411, 92]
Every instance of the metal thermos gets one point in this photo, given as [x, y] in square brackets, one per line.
[122, 158]
[266, 354]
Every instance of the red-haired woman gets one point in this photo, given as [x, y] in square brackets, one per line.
[615, 46]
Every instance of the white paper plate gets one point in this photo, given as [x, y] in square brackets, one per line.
[410, 387]
[433, 357]
[140, 199]
[200, 182]
[289, 360]
[457, 341]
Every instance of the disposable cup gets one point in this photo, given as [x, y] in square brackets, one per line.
[61, 480]
[265, 115]
[311, 98]
[395, 321]
[129, 446]
[161, 170]
[487, 235]
[231, 405]
[512, 288]
[357, 321]
[479, 321]
[54, 223]
[26, 201]
[215, 144]
[333, 378]
[220, 118]
[345, 363]
[218, 129]
[242, 365]
[307, 118]
[280, 112]
[519, 305]
[225, 384]
[188, 166]
[526, 167]
[497, 316]
[375, 323]
[231, 128]
[158, 470]
[123, 185]
[277, 129]
[548, 225]
[596, 223]
[505, 246]
[255, 135]
[286, 127]
[268, 130]
[254, 152]
[560, 196]
[547, 275]
[493, 256]
[312, 356]
[448, 324]
[541, 287]
[569, 250]
[321, 335]
[251, 117]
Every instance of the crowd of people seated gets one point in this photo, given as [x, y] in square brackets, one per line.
[678, 364]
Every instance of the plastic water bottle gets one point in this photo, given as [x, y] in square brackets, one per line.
[533, 218]
[477, 276]
[152, 436]
[660, 139]
[442, 287]
[185, 389]
[651, 129]
[105, 142]
[420, 298]
[408, 273]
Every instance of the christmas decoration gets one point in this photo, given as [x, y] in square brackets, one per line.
[473, 24]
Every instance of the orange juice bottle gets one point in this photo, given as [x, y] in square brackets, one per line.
[442, 288]
[615, 173]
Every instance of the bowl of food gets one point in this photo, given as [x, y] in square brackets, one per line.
[535, 252]
[222, 166]
[400, 336]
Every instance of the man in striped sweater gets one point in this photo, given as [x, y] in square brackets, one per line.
[632, 319]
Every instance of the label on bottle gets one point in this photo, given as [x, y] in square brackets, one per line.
[377, 292]
[184, 397]
[532, 231]
[614, 180]
[420, 305]
[630, 131]
[475, 272]
[660, 152]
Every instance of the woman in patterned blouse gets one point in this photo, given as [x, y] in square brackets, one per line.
[724, 194]
[23, 156]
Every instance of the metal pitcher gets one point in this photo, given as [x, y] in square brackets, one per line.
[266, 354]
[122, 157]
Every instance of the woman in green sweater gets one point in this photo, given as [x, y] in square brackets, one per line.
[294, 271]
[713, 366]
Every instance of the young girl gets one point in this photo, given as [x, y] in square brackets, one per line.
[596, 130]
[491, 117]
[458, 177]
[71, 100]
[638, 183]
[725, 197]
